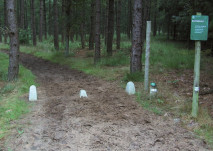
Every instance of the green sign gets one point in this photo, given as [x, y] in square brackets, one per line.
[199, 27]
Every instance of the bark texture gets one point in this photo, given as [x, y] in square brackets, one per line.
[56, 43]
[83, 25]
[5, 21]
[106, 27]
[118, 24]
[136, 52]
[33, 27]
[155, 18]
[41, 21]
[68, 13]
[22, 14]
[13, 69]
[110, 27]
[45, 19]
[50, 18]
[63, 21]
[97, 32]
[92, 26]
[129, 26]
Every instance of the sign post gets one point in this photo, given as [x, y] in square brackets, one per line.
[146, 75]
[199, 31]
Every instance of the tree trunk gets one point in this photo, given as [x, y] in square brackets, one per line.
[45, 19]
[118, 23]
[63, 21]
[33, 27]
[50, 19]
[174, 31]
[41, 21]
[110, 27]
[97, 56]
[129, 25]
[168, 27]
[136, 52]
[56, 44]
[13, 69]
[5, 21]
[0, 33]
[92, 26]
[22, 14]
[26, 16]
[145, 17]
[82, 25]
[67, 11]
[106, 27]
[155, 18]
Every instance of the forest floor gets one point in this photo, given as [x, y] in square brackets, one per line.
[108, 119]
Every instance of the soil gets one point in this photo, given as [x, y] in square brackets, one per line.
[107, 120]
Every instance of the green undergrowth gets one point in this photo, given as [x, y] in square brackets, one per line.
[12, 106]
[165, 56]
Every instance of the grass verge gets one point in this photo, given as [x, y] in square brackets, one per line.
[12, 107]
[165, 56]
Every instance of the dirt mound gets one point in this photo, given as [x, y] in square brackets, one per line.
[108, 119]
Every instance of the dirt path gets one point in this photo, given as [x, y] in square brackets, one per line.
[107, 120]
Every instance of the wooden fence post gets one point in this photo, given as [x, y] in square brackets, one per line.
[146, 75]
[196, 78]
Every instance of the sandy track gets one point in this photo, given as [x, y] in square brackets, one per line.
[107, 120]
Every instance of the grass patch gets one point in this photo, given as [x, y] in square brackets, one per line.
[171, 55]
[135, 77]
[148, 104]
[165, 55]
[11, 106]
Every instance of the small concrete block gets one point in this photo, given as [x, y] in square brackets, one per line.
[33, 93]
[130, 88]
[83, 94]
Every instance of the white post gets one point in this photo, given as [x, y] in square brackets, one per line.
[146, 75]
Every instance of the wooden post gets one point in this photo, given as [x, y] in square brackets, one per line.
[146, 75]
[196, 78]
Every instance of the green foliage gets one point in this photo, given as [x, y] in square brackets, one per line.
[136, 77]
[170, 55]
[118, 59]
[7, 89]
[11, 106]
[24, 36]
[148, 104]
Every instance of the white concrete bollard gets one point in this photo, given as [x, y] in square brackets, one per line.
[83, 94]
[130, 88]
[33, 93]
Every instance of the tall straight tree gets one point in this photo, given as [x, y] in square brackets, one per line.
[41, 21]
[5, 21]
[45, 19]
[63, 21]
[118, 24]
[83, 25]
[0, 31]
[68, 14]
[22, 13]
[50, 17]
[97, 56]
[92, 26]
[56, 43]
[145, 17]
[129, 25]
[155, 18]
[26, 14]
[33, 27]
[13, 69]
[106, 27]
[110, 27]
[136, 65]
